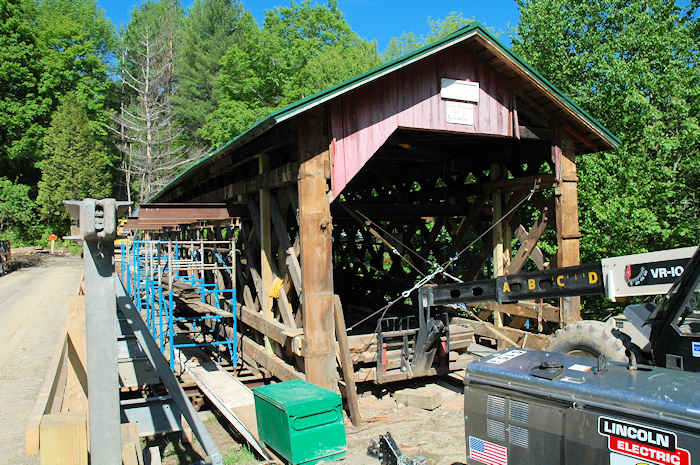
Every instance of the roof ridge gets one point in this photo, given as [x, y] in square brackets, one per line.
[305, 103]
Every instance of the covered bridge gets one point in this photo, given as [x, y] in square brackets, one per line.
[351, 196]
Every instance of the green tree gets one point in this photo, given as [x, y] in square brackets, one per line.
[17, 210]
[76, 43]
[439, 28]
[77, 164]
[47, 49]
[210, 28]
[300, 50]
[633, 65]
[23, 108]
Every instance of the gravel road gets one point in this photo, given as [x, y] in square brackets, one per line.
[32, 316]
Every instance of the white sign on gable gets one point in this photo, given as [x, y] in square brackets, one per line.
[459, 112]
[463, 91]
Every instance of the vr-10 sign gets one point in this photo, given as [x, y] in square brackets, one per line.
[643, 442]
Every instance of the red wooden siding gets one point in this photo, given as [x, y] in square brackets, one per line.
[409, 98]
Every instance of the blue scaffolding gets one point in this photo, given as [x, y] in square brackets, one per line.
[150, 269]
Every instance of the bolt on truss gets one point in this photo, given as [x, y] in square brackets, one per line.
[155, 270]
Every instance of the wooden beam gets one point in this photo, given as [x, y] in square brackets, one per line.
[63, 440]
[282, 302]
[291, 260]
[528, 244]
[274, 178]
[530, 340]
[524, 309]
[566, 209]
[270, 328]
[315, 229]
[50, 396]
[535, 133]
[131, 447]
[536, 255]
[497, 233]
[253, 352]
[380, 210]
[346, 363]
[265, 238]
[75, 398]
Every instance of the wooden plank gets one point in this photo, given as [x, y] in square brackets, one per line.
[566, 212]
[46, 402]
[285, 309]
[265, 239]
[276, 177]
[528, 244]
[536, 255]
[232, 398]
[293, 266]
[346, 362]
[315, 230]
[531, 340]
[75, 398]
[63, 440]
[275, 365]
[524, 309]
[497, 234]
[151, 456]
[273, 329]
[262, 291]
[131, 447]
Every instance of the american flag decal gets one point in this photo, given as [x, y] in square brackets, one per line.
[487, 452]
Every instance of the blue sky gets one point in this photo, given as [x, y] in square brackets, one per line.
[378, 20]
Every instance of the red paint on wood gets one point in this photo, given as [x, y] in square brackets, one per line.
[409, 98]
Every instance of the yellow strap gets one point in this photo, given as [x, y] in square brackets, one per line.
[276, 288]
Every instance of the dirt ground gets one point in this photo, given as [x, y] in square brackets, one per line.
[438, 434]
[32, 315]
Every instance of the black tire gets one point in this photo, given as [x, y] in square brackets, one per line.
[588, 338]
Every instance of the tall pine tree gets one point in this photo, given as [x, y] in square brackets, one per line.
[301, 49]
[78, 164]
[210, 28]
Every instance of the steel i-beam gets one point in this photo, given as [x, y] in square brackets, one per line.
[97, 220]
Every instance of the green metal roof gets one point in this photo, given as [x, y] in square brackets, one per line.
[311, 101]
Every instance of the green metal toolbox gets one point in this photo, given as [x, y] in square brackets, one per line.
[301, 421]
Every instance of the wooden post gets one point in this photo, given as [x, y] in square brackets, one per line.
[346, 363]
[497, 235]
[63, 440]
[75, 398]
[131, 448]
[315, 230]
[265, 248]
[566, 210]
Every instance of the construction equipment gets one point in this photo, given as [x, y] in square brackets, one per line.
[387, 451]
[666, 334]
[531, 407]
[5, 255]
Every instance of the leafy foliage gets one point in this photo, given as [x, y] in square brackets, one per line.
[632, 64]
[23, 109]
[209, 30]
[408, 41]
[77, 164]
[300, 50]
[17, 210]
[75, 41]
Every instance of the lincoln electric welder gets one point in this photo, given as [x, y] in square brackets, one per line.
[524, 407]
